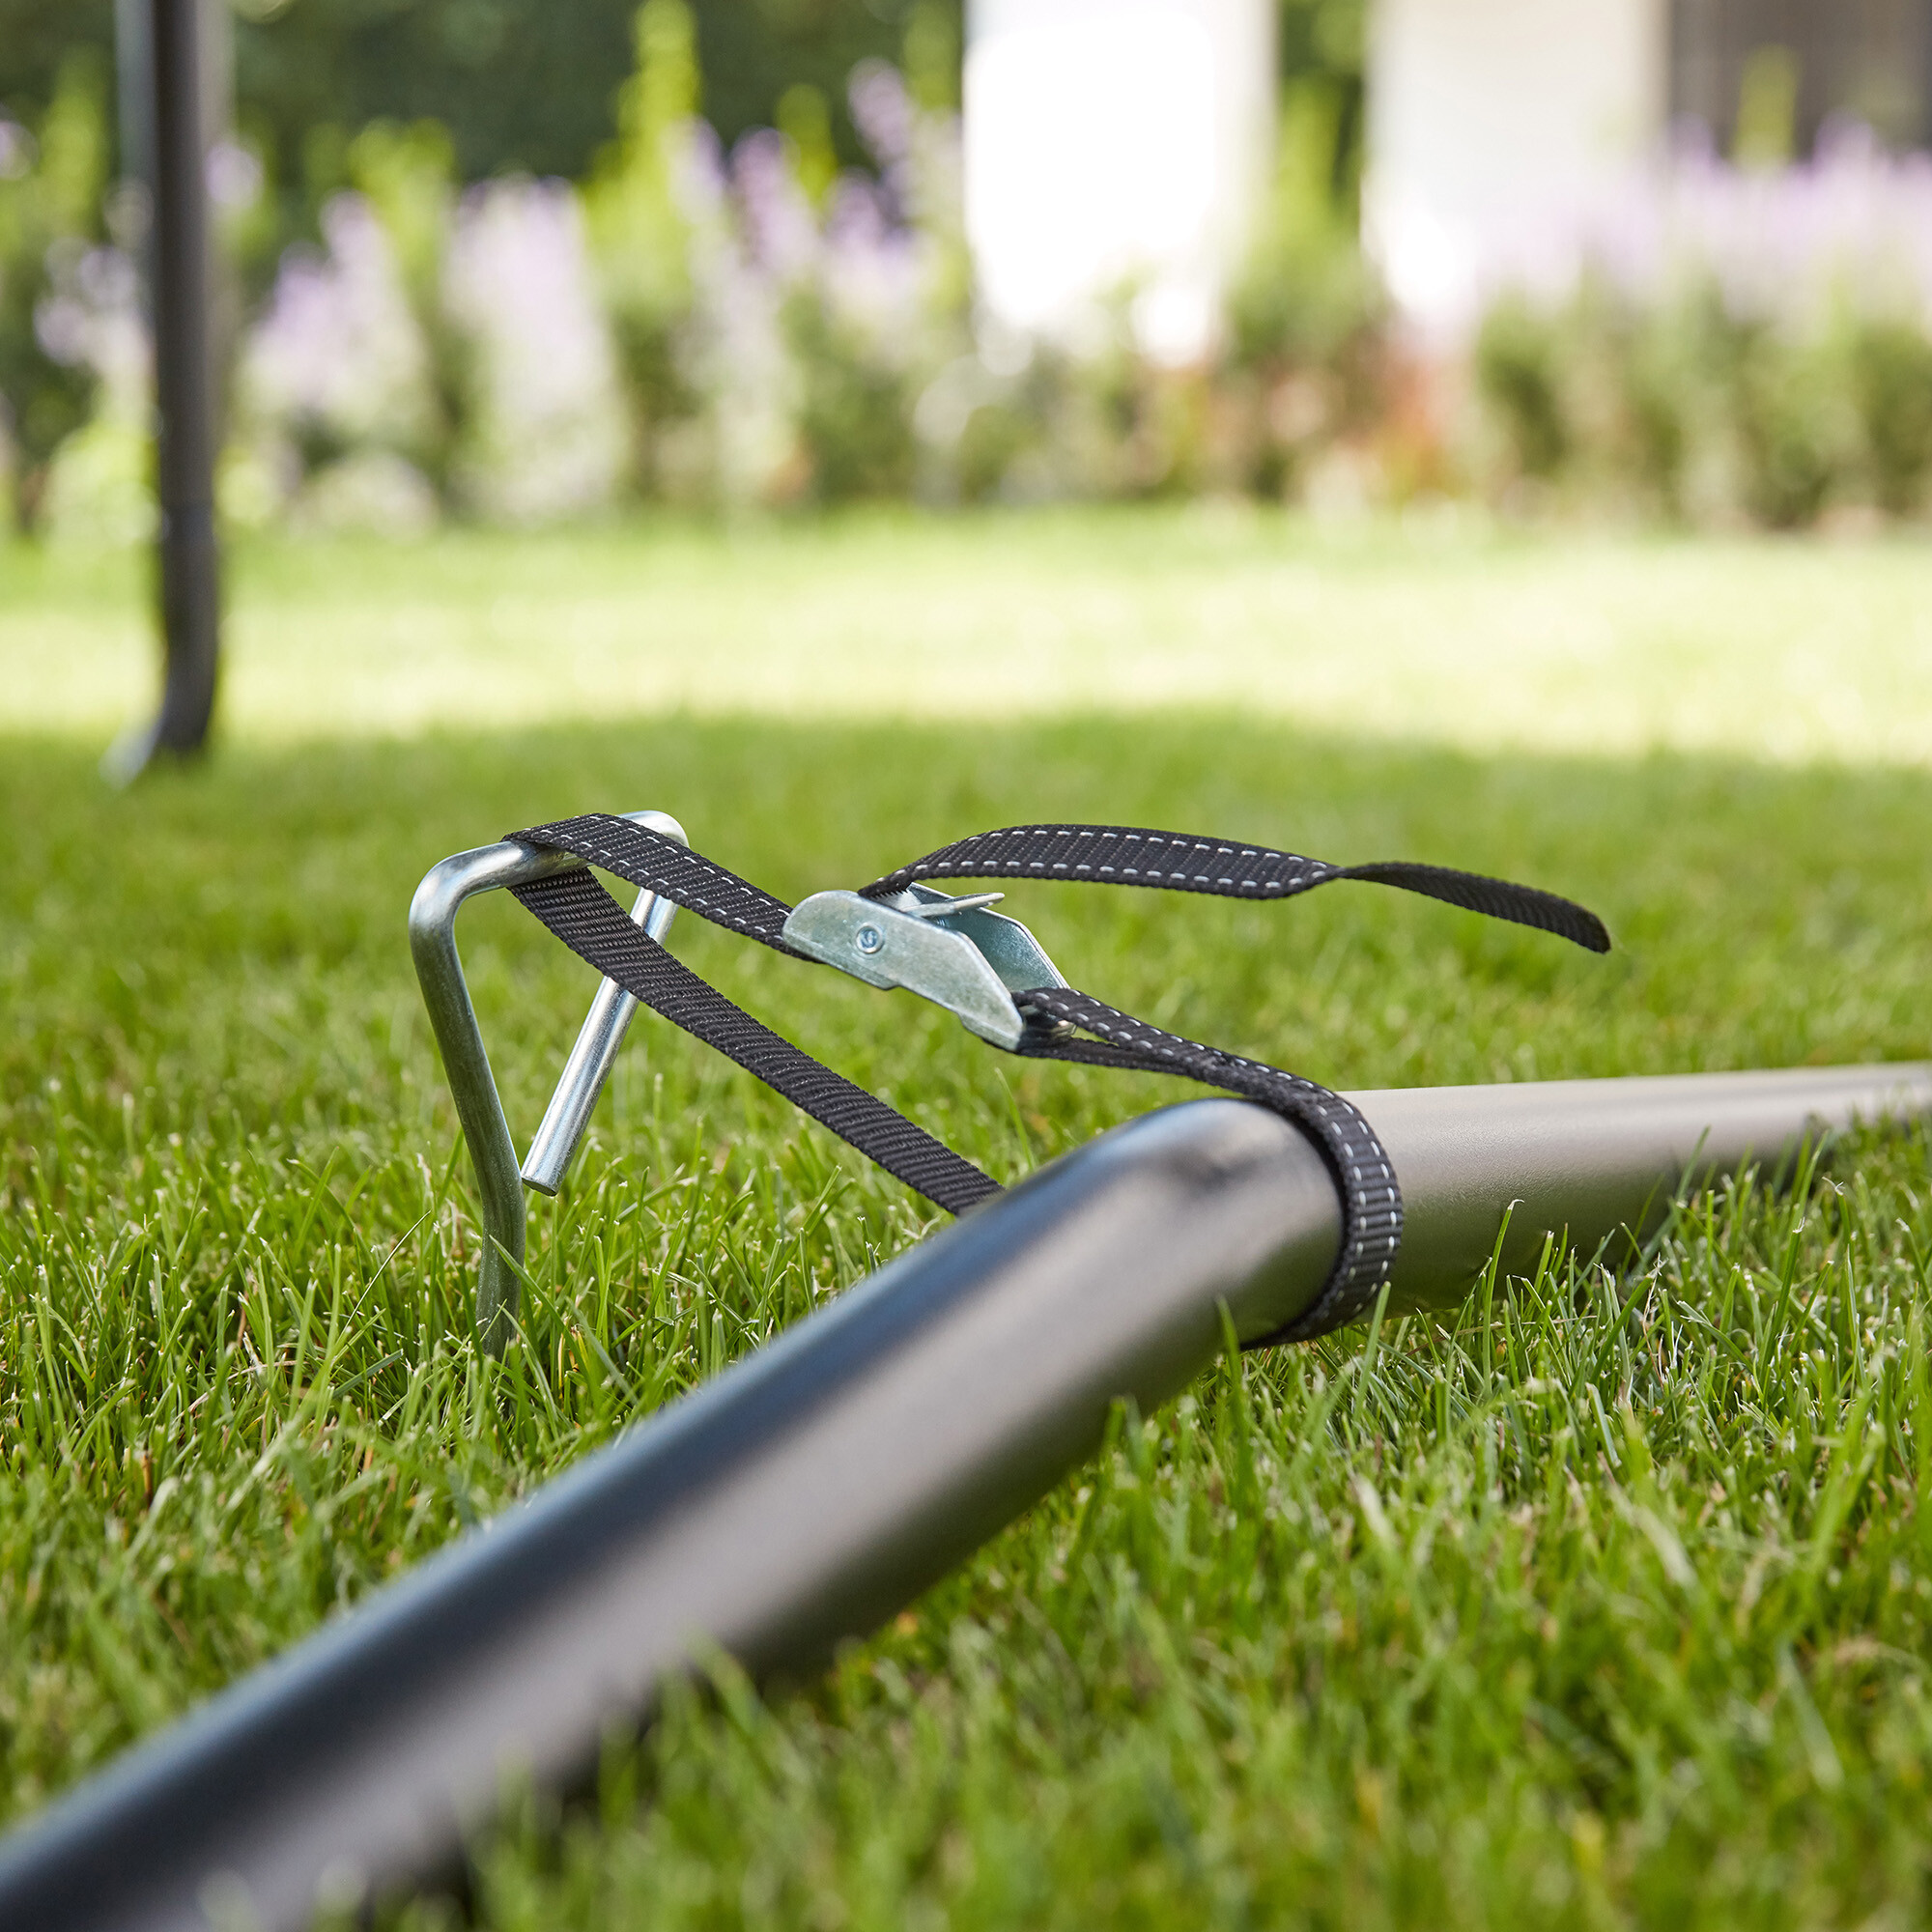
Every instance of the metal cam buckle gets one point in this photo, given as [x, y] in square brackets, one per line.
[953, 952]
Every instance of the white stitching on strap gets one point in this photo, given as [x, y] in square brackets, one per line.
[1372, 1204]
[989, 855]
[603, 852]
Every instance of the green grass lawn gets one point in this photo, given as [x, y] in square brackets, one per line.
[1441, 631]
[1579, 1612]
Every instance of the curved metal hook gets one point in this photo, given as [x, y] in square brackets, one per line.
[466, 1063]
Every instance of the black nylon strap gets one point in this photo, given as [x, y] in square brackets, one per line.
[1370, 1199]
[1090, 854]
[674, 871]
[593, 926]
[585, 916]
[1121, 855]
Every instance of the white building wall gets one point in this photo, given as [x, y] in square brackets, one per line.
[1110, 142]
[1493, 126]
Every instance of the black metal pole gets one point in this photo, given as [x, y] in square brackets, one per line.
[187, 561]
[814, 1488]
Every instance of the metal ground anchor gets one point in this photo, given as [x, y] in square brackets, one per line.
[452, 1015]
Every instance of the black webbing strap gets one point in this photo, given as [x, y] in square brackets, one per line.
[575, 907]
[1119, 855]
[592, 925]
[1370, 1200]
[671, 871]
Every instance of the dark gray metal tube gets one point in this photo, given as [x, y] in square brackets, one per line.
[1594, 1157]
[819, 1485]
[803, 1495]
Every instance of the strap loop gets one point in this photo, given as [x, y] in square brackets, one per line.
[1370, 1199]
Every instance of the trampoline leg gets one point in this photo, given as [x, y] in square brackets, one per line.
[188, 560]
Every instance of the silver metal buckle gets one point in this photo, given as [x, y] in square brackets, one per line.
[467, 1064]
[953, 952]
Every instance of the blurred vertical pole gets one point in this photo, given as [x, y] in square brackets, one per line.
[187, 562]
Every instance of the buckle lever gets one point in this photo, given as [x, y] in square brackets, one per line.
[957, 953]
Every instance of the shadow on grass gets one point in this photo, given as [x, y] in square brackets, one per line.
[1763, 915]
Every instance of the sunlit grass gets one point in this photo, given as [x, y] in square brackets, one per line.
[1578, 1609]
[1436, 628]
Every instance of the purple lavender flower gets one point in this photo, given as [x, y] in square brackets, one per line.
[17, 150]
[882, 111]
[339, 352]
[234, 176]
[1781, 246]
[871, 272]
[545, 434]
[90, 318]
[699, 181]
[779, 229]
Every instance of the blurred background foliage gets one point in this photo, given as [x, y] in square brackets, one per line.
[520, 264]
[520, 87]
[52, 185]
[758, 270]
[536, 88]
[1756, 351]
